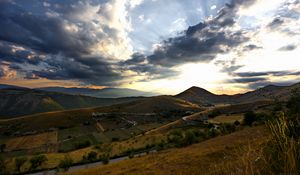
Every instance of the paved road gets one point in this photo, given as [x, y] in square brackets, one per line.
[89, 165]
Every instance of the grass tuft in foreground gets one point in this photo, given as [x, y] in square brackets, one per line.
[283, 151]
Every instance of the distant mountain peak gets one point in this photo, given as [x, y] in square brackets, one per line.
[196, 90]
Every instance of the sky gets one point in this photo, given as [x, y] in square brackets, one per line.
[162, 46]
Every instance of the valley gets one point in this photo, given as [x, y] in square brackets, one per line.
[157, 125]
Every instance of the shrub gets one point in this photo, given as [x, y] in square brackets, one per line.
[84, 144]
[104, 158]
[37, 161]
[189, 138]
[294, 102]
[115, 139]
[2, 165]
[214, 113]
[227, 128]
[175, 137]
[92, 156]
[249, 118]
[161, 145]
[213, 133]
[2, 147]
[20, 162]
[236, 123]
[131, 154]
[84, 159]
[66, 163]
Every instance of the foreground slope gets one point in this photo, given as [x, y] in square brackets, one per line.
[217, 155]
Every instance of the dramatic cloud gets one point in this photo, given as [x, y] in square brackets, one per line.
[80, 40]
[248, 80]
[1, 72]
[273, 73]
[145, 43]
[202, 42]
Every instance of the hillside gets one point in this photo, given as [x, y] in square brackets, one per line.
[214, 156]
[156, 104]
[100, 93]
[18, 102]
[165, 106]
[271, 92]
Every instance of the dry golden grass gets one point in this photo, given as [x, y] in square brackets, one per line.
[32, 141]
[116, 148]
[227, 119]
[202, 158]
[167, 127]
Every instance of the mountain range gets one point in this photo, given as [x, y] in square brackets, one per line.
[271, 92]
[17, 101]
[21, 101]
[100, 93]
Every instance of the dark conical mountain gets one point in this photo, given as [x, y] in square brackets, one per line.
[198, 96]
[271, 92]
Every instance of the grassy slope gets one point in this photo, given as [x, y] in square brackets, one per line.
[70, 118]
[212, 156]
[18, 102]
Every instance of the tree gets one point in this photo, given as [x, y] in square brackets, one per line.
[92, 156]
[104, 158]
[294, 102]
[37, 161]
[2, 165]
[236, 123]
[20, 162]
[2, 147]
[249, 118]
[189, 138]
[66, 163]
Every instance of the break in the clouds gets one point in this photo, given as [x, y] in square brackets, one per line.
[163, 45]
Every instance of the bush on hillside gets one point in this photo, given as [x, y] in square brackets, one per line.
[2, 165]
[2, 147]
[66, 163]
[83, 144]
[249, 118]
[19, 162]
[92, 156]
[37, 161]
[104, 158]
[294, 102]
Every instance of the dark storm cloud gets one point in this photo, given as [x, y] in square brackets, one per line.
[257, 85]
[1, 72]
[41, 33]
[289, 47]
[66, 54]
[8, 53]
[202, 42]
[89, 70]
[139, 64]
[248, 80]
[256, 80]
[273, 73]
[228, 67]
